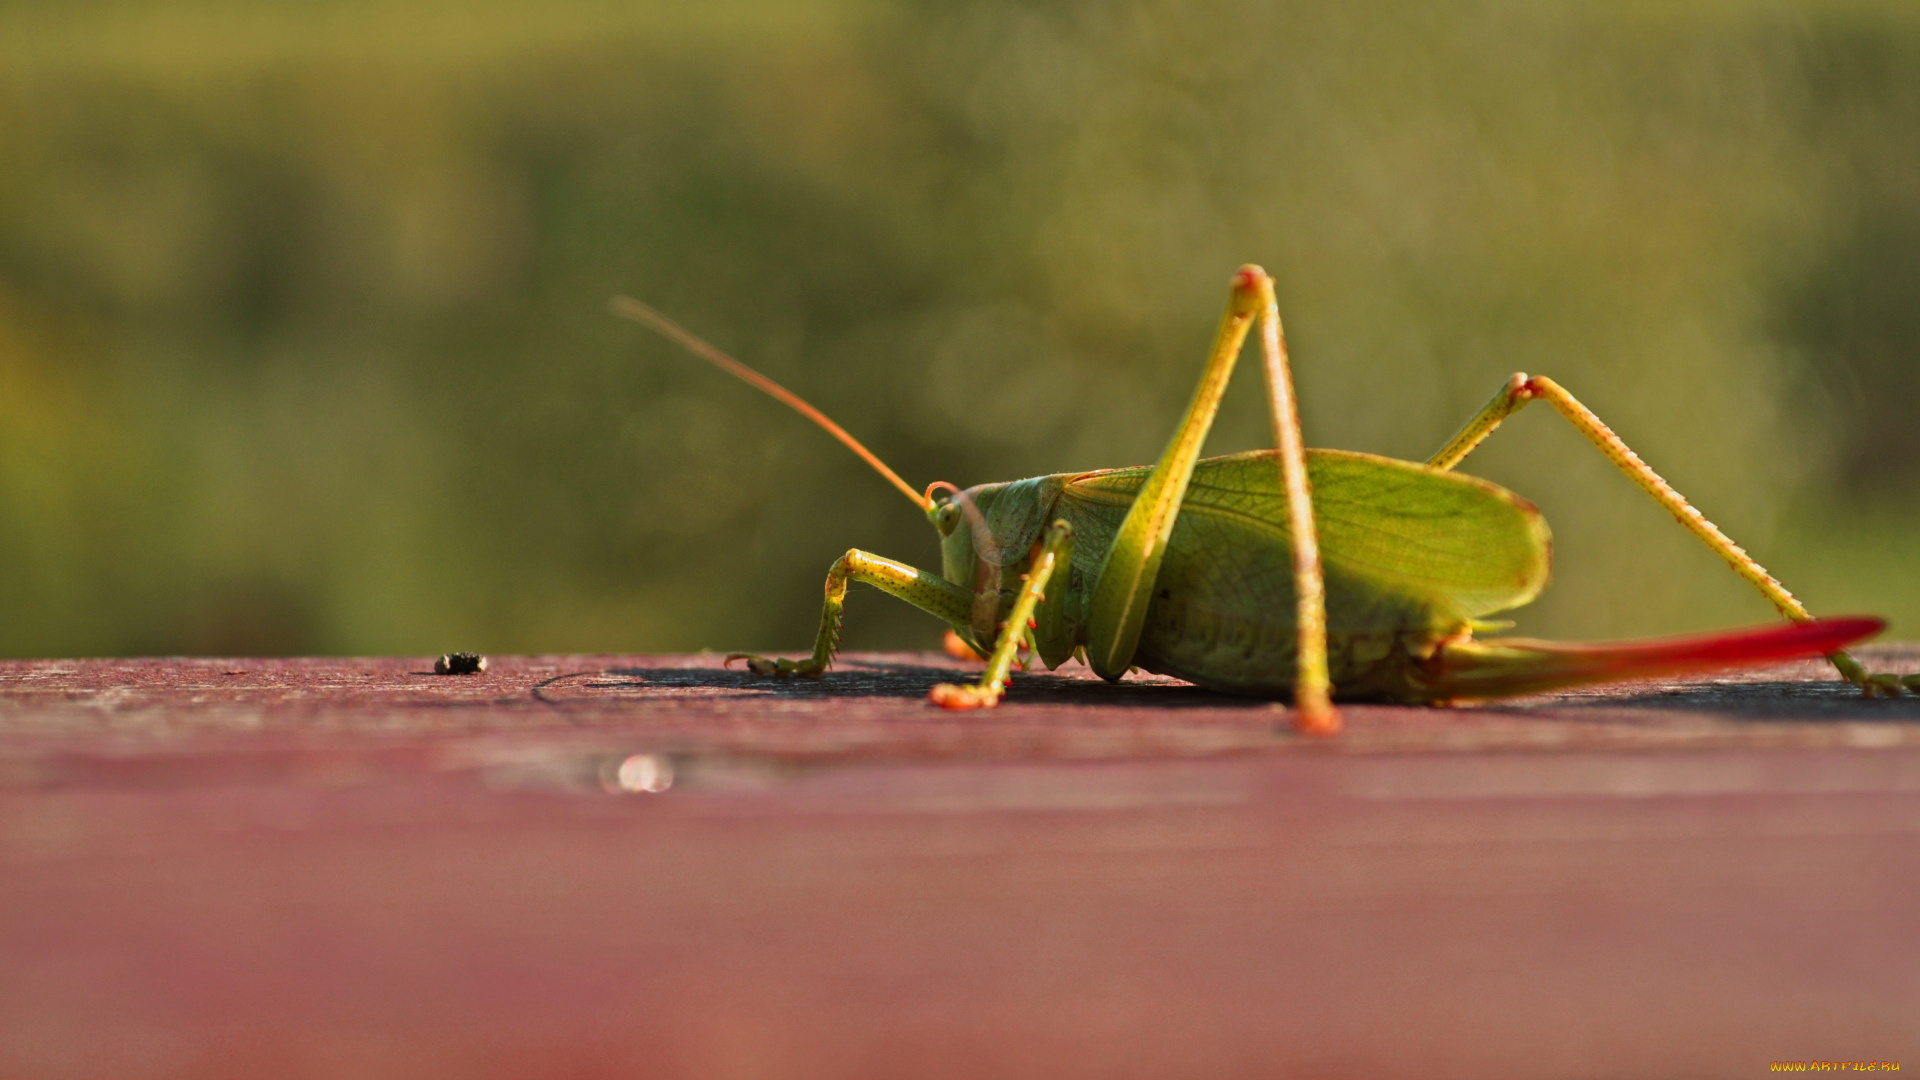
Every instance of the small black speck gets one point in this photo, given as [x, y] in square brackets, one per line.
[460, 663]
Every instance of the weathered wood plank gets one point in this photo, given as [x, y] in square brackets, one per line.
[353, 868]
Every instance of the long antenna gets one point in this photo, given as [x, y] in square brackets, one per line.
[641, 313]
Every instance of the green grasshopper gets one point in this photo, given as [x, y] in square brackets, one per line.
[1174, 567]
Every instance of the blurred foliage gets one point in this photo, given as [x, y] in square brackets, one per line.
[304, 343]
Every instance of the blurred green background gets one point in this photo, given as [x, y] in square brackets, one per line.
[304, 343]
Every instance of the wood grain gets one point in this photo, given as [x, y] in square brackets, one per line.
[355, 868]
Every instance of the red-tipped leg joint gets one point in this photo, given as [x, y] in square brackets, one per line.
[1252, 288]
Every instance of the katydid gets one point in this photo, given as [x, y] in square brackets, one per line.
[1287, 573]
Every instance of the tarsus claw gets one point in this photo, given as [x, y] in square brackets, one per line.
[761, 665]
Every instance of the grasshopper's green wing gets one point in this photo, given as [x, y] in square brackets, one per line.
[1412, 556]
[1459, 544]
[1458, 541]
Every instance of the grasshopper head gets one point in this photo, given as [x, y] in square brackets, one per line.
[963, 531]
[987, 534]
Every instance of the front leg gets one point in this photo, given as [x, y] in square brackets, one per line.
[930, 593]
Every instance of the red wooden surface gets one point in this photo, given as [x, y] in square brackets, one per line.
[355, 868]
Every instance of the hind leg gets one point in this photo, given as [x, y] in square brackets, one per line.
[1520, 390]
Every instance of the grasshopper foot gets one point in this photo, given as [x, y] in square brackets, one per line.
[1885, 685]
[767, 665]
[968, 696]
[1322, 720]
[959, 649]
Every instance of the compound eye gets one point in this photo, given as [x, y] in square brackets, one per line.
[946, 518]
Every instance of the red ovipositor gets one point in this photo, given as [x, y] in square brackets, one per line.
[1499, 667]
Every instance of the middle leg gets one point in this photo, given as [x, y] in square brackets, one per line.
[1055, 554]
[1124, 587]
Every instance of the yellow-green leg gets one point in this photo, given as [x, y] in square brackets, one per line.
[1117, 614]
[1055, 553]
[1520, 390]
[1122, 592]
[930, 593]
[1314, 713]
